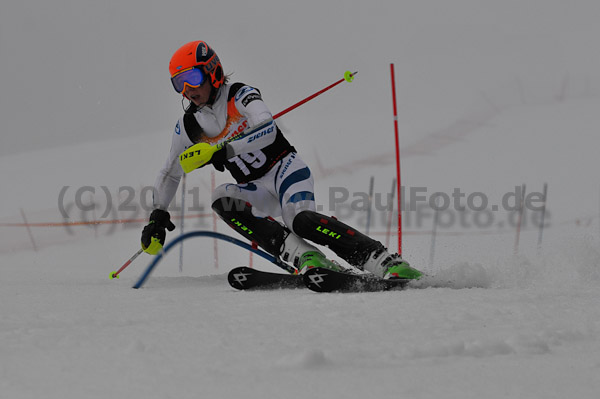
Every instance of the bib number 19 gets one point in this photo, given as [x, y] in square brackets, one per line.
[252, 159]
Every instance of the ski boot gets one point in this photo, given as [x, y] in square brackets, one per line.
[304, 256]
[390, 266]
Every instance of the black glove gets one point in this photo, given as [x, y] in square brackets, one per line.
[219, 158]
[154, 234]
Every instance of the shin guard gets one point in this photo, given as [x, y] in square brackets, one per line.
[266, 232]
[348, 243]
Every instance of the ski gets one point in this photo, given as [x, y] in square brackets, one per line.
[326, 280]
[245, 278]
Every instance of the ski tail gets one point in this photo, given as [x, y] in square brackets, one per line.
[327, 280]
[245, 278]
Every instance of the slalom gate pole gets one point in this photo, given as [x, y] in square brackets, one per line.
[543, 217]
[116, 274]
[371, 186]
[391, 214]
[251, 260]
[436, 217]
[397, 159]
[348, 77]
[520, 220]
[28, 230]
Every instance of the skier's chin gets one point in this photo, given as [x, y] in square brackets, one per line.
[197, 102]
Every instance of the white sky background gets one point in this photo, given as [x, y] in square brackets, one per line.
[88, 70]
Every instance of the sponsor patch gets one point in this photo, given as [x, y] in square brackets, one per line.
[261, 133]
[242, 92]
[177, 128]
[287, 165]
[249, 98]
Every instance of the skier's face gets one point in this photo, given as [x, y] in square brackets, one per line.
[198, 95]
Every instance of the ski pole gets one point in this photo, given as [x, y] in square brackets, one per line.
[348, 77]
[202, 152]
[116, 274]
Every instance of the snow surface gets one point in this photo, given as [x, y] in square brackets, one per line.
[492, 95]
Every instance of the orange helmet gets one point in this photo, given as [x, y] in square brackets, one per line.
[197, 55]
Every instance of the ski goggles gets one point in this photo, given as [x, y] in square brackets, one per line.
[193, 77]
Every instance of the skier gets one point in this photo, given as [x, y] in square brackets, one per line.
[271, 178]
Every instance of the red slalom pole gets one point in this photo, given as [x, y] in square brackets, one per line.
[348, 77]
[251, 263]
[397, 160]
[116, 274]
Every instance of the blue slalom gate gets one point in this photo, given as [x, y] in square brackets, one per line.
[212, 234]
